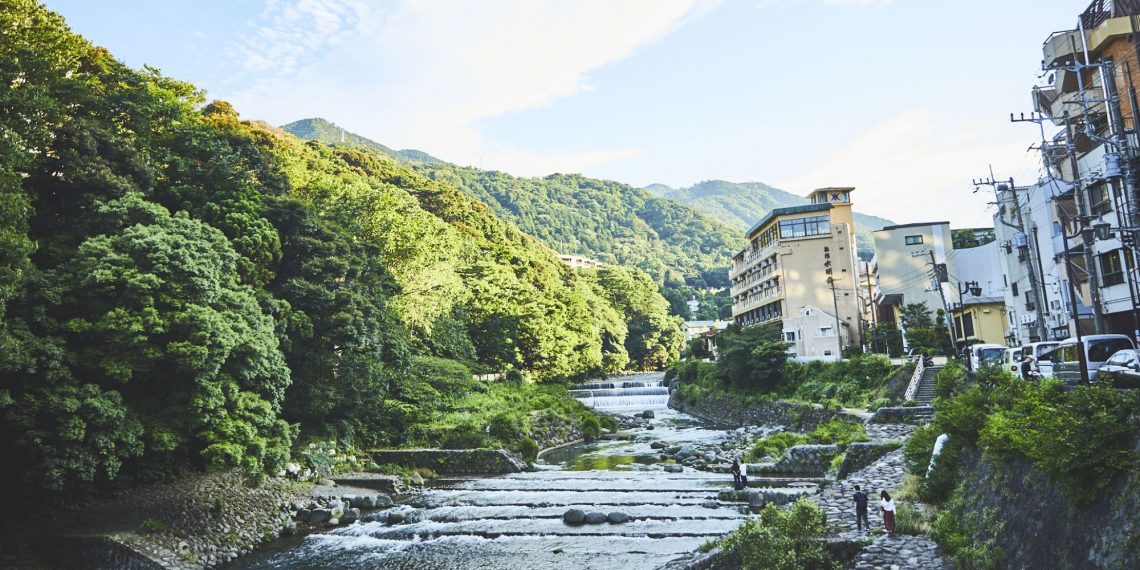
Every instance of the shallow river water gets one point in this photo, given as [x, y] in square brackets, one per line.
[515, 521]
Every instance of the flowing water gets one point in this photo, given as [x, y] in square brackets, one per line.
[515, 521]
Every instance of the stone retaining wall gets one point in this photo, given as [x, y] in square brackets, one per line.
[725, 409]
[453, 461]
[902, 415]
[807, 459]
[863, 453]
[551, 431]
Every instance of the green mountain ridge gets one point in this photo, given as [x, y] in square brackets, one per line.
[742, 204]
[608, 221]
[329, 133]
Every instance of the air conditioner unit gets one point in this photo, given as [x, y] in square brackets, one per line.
[1019, 240]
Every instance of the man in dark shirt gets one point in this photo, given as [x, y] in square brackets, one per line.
[861, 509]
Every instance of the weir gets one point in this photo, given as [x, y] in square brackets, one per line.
[515, 521]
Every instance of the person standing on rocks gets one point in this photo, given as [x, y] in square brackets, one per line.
[861, 502]
[736, 483]
[887, 505]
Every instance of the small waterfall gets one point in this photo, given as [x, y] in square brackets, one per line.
[643, 394]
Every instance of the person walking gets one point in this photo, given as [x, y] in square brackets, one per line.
[861, 501]
[887, 505]
[1027, 367]
[736, 482]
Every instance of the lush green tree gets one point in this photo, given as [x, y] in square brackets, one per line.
[751, 358]
[925, 330]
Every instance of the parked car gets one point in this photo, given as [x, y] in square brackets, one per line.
[982, 354]
[1012, 360]
[1036, 349]
[1097, 348]
[1122, 369]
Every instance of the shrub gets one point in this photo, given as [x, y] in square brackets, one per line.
[505, 428]
[944, 476]
[591, 428]
[528, 449]
[839, 432]
[918, 448]
[783, 539]
[909, 520]
[608, 423]
[968, 537]
[463, 436]
[775, 444]
[909, 489]
[963, 416]
[950, 379]
[152, 526]
[1081, 439]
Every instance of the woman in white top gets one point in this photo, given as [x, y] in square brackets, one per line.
[887, 505]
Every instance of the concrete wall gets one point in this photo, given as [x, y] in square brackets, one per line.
[726, 410]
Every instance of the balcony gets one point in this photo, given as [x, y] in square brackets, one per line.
[1062, 48]
[755, 301]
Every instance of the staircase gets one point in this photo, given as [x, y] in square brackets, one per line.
[924, 396]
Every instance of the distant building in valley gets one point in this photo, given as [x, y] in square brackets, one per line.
[980, 313]
[580, 262]
[800, 268]
[693, 329]
[904, 255]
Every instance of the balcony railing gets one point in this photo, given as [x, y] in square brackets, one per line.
[1101, 10]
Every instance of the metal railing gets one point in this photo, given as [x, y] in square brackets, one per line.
[915, 380]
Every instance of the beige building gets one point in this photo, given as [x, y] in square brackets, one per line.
[580, 262]
[903, 257]
[799, 267]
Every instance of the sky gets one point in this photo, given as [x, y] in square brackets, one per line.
[907, 100]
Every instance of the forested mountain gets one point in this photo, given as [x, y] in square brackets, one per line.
[181, 289]
[321, 130]
[743, 204]
[608, 221]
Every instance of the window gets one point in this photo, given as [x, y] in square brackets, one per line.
[913, 240]
[1014, 287]
[968, 325]
[805, 227]
[790, 336]
[1111, 272]
[1100, 350]
[824, 331]
[1099, 201]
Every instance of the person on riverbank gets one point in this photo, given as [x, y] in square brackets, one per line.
[861, 503]
[887, 505]
[736, 477]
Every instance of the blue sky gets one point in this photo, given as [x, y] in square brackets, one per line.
[907, 100]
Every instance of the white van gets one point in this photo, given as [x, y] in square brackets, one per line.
[982, 354]
[1098, 348]
[1035, 350]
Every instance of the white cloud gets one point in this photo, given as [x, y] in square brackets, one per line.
[914, 167]
[424, 73]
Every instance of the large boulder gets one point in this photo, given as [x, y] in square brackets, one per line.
[350, 516]
[657, 445]
[648, 414]
[319, 515]
[574, 516]
[595, 518]
[617, 517]
[673, 468]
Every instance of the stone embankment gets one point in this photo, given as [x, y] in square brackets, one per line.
[812, 460]
[725, 409]
[453, 461]
[196, 522]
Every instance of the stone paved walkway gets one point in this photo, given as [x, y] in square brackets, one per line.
[887, 551]
[893, 552]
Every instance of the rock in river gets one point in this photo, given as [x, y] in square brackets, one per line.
[595, 518]
[574, 516]
[617, 517]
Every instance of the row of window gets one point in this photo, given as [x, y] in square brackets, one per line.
[804, 227]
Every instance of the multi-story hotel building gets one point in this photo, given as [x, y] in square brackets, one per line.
[800, 268]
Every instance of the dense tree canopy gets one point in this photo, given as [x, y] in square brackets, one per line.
[181, 289]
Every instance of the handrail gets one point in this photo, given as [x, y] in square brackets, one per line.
[915, 379]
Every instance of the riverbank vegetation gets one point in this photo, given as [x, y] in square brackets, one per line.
[753, 364]
[782, 539]
[834, 431]
[1082, 440]
[181, 290]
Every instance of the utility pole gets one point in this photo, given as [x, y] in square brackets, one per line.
[834, 300]
[871, 302]
[1083, 219]
[937, 273]
[1020, 223]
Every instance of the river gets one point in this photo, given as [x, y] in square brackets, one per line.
[515, 521]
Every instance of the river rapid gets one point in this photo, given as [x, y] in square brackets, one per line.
[515, 521]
